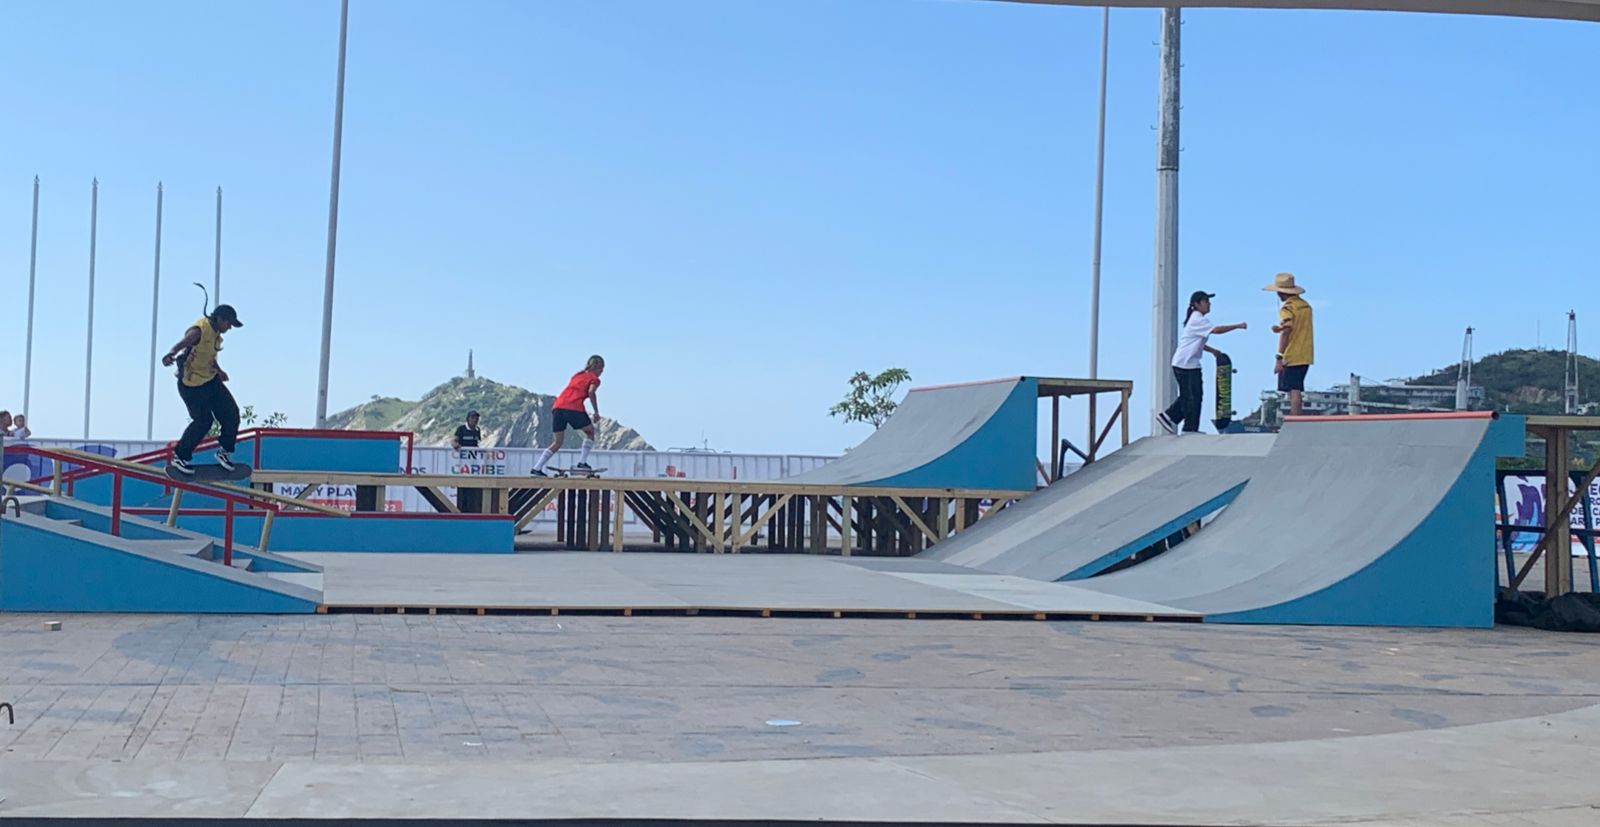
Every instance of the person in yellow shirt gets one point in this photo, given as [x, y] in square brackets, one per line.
[1295, 338]
[200, 383]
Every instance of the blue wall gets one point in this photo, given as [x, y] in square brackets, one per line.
[382, 533]
[43, 570]
[999, 456]
[320, 453]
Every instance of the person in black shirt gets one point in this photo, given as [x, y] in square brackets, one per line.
[468, 435]
[469, 500]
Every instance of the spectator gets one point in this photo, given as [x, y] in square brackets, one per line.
[469, 500]
[20, 430]
[5, 424]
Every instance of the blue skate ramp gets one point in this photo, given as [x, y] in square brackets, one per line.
[978, 435]
[1382, 520]
[1110, 509]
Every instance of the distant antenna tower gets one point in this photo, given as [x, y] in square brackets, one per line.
[1572, 362]
[1464, 375]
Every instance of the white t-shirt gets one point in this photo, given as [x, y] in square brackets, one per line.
[1192, 341]
[20, 434]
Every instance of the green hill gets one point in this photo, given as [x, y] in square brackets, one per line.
[1525, 381]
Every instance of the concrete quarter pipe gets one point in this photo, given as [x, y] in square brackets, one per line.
[1110, 509]
[1383, 520]
[976, 435]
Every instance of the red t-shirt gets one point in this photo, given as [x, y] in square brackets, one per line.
[578, 389]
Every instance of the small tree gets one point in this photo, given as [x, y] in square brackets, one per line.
[871, 398]
[247, 417]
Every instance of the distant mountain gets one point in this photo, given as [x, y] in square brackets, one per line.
[511, 417]
[1525, 381]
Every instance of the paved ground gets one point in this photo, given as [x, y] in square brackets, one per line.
[228, 715]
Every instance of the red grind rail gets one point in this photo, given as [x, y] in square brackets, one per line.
[258, 435]
[119, 473]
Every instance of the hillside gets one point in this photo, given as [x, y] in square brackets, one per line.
[1524, 381]
[512, 417]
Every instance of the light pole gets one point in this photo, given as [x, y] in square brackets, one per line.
[333, 225]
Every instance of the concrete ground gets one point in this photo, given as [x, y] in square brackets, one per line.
[519, 716]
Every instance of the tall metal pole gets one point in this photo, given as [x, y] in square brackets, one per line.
[88, 365]
[216, 283]
[333, 225]
[1099, 201]
[155, 318]
[33, 266]
[1164, 303]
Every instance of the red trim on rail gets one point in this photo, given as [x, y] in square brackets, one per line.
[1395, 417]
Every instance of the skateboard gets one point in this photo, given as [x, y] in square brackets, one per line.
[573, 472]
[1224, 410]
[211, 473]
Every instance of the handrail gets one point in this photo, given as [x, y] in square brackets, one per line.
[258, 435]
[232, 496]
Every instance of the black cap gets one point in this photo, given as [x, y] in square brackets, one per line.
[471, 414]
[1200, 296]
[226, 313]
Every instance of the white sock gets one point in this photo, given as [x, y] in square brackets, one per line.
[583, 453]
[543, 459]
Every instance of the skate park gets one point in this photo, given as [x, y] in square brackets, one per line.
[945, 625]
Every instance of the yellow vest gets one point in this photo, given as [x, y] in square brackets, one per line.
[200, 366]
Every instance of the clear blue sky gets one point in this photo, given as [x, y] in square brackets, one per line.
[740, 202]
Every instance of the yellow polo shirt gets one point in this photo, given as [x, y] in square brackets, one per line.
[1296, 315]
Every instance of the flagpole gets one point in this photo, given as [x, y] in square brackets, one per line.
[155, 317]
[333, 224]
[33, 265]
[88, 366]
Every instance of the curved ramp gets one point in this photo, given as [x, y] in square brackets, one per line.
[978, 435]
[1383, 520]
[1111, 508]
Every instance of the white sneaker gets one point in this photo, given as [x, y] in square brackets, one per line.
[224, 460]
[1166, 423]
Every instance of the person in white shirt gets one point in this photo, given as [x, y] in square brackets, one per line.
[1197, 330]
[20, 429]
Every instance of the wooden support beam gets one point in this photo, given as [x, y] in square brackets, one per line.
[716, 523]
[591, 529]
[172, 510]
[1557, 475]
[694, 519]
[1055, 439]
[537, 507]
[266, 529]
[1558, 516]
[1127, 395]
[915, 520]
[961, 514]
[433, 495]
[844, 526]
[1119, 414]
[765, 516]
[1094, 422]
[616, 521]
[943, 505]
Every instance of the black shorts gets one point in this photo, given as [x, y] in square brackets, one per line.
[1293, 378]
[564, 419]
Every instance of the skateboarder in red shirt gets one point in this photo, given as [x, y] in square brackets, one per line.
[569, 412]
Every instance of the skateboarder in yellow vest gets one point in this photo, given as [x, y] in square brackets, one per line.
[200, 383]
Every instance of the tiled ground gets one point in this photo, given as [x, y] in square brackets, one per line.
[460, 688]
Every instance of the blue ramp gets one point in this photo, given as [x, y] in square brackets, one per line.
[1355, 521]
[978, 435]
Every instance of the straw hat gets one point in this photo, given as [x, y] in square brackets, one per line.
[1284, 283]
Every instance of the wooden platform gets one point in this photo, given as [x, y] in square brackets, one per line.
[690, 584]
[705, 515]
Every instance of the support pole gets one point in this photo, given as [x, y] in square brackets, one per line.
[1099, 206]
[155, 318]
[88, 364]
[1557, 476]
[216, 273]
[333, 224]
[33, 266]
[1164, 303]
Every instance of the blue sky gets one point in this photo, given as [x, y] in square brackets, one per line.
[741, 202]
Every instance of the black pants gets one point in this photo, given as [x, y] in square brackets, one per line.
[1191, 392]
[206, 403]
